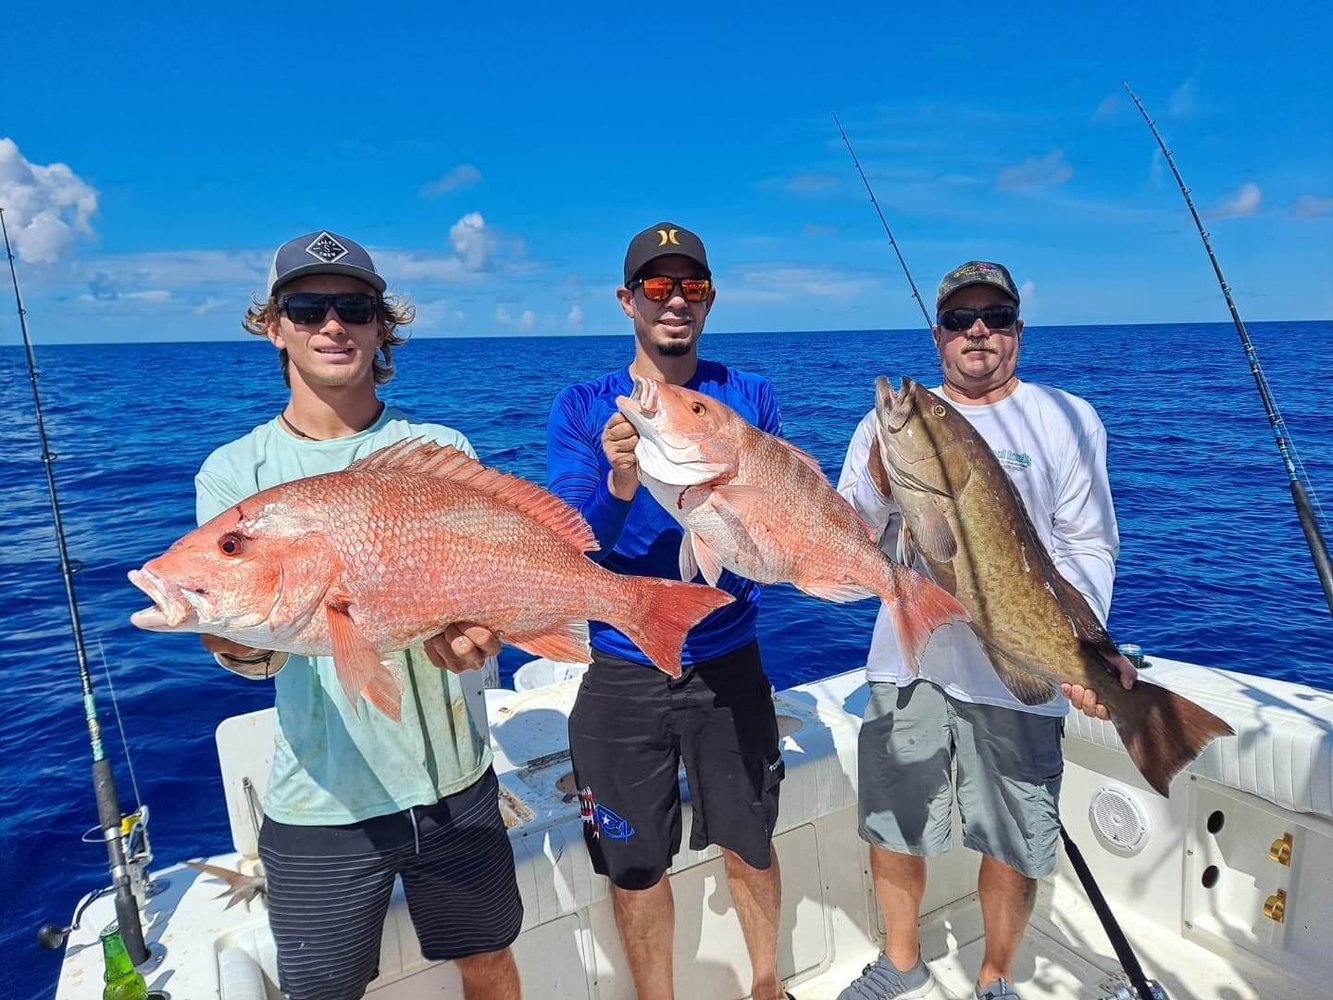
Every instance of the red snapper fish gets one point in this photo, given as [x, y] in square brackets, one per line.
[760, 507]
[383, 555]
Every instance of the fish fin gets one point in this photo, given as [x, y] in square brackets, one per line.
[838, 591]
[1026, 686]
[663, 613]
[917, 607]
[360, 665]
[905, 549]
[689, 568]
[566, 643]
[706, 559]
[934, 536]
[1161, 731]
[739, 500]
[805, 457]
[420, 456]
[240, 888]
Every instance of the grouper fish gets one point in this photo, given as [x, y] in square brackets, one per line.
[962, 514]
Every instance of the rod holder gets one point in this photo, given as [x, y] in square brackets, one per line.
[1275, 906]
[1280, 851]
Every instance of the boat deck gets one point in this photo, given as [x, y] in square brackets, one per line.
[1066, 955]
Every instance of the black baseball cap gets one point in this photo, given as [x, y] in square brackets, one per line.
[663, 240]
[977, 272]
[322, 253]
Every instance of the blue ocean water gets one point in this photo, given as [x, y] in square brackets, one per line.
[1213, 567]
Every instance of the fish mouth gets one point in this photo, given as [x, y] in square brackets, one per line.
[895, 404]
[173, 607]
[669, 458]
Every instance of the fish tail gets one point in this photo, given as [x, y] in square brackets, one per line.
[240, 888]
[660, 613]
[917, 607]
[1162, 731]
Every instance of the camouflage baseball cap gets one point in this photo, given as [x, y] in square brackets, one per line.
[977, 272]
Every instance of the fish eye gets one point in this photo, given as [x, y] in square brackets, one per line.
[231, 544]
[937, 410]
[698, 408]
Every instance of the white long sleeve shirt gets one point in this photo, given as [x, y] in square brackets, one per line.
[1053, 446]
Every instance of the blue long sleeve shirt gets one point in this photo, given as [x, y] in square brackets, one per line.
[638, 536]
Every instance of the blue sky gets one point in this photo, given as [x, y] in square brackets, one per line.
[497, 164]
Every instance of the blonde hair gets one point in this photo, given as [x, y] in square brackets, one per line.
[393, 313]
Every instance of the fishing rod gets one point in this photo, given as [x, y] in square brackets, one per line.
[1147, 989]
[884, 222]
[1309, 524]
[104, 781]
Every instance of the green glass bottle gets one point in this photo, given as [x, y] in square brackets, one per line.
[122, 981]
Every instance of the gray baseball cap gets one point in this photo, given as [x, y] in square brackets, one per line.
[322, 253]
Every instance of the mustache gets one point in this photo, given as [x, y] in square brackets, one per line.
[975, 344]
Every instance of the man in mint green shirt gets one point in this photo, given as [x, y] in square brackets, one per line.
[356, 799]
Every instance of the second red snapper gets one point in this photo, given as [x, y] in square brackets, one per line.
[760, 507]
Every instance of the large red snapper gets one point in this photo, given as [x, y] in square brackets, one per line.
[383, 555]
[757, 505]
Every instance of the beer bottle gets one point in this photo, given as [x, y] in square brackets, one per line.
[123, 982]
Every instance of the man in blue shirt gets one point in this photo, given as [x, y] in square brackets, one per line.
[632, 724]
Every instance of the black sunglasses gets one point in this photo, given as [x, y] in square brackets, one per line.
[995, 318]
[660, 287]
[312, 307]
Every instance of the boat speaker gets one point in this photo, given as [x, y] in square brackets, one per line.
[1118, 819]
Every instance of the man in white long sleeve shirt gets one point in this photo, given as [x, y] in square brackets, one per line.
[1007, 755]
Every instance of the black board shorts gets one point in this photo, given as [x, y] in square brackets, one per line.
[329, 889]
[631, 727]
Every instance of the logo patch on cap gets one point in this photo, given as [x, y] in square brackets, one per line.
[665, 236]
[327, 249]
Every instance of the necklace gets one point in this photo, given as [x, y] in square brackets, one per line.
[310, 437]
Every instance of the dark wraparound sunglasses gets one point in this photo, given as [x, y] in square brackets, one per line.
[660, 287]
[312, 307]
[995, 318]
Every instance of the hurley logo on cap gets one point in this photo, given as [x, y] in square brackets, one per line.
[326, 248]
[665, 236]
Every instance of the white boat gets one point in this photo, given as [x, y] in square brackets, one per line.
[1225, 890]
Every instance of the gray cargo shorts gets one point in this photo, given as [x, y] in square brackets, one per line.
[1009, 764]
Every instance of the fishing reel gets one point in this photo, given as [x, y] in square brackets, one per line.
[138, 856]
[138, 853]
[1118, 987]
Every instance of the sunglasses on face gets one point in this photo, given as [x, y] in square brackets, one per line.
[660, 287]
[312, 307]
[995, 318]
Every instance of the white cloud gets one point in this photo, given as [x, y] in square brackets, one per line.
[1109, 106]
[154, 296]
[1184, 100]
[208, 305]
[1036, 171]
[1027, 296]
[1244, 202]
[781, 283]
[575, 318]
[523, 323]
[462, 176]
[1312, 206]
[471, 241]
[46, 207]
[807, 183]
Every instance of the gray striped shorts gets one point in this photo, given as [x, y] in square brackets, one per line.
[329, 889]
